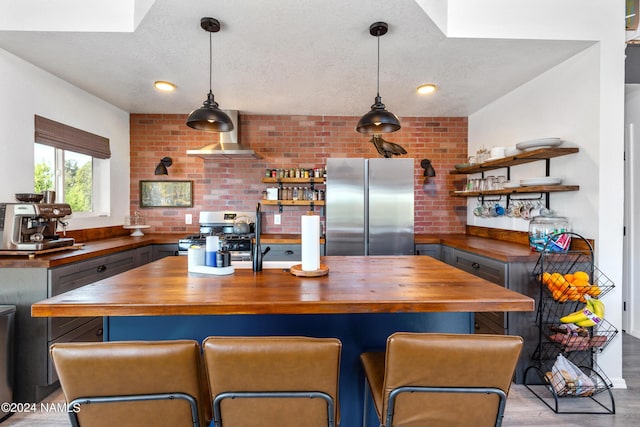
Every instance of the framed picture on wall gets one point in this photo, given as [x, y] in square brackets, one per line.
[166, 194]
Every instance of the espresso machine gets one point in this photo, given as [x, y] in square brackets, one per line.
[32, 226]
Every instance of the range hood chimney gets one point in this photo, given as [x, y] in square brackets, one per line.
[228, 147]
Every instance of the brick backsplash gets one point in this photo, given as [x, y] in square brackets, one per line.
[291, 141]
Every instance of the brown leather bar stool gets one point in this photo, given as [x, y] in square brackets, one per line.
[132, 383]
[273, 381]
[428, 379]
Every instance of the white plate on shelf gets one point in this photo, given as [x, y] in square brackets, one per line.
[490, 159]
[548, 180]
[511, 151]
[511, 185]
[534, 144]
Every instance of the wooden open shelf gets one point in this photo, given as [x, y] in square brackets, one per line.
[293, 180]
[519, 159]
[519, 190]
[293, 202]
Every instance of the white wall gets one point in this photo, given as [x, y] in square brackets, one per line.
[27, 90]
[581, 100]
[632, 164]
[564, 102]
[559, 103]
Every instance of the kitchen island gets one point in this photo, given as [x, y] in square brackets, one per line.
[361, 301]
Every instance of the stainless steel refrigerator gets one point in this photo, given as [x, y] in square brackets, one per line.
[369, 206]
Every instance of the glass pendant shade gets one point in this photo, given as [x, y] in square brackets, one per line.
[209, 117]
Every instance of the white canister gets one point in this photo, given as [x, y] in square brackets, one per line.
[195, 257]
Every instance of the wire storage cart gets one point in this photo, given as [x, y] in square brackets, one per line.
[572, 331]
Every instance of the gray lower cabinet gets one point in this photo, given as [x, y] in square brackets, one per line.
[161, 251]
[35, 376]
[285, 252]
[433, 250]
[514, 276]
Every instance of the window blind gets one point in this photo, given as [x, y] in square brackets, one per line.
[59, 135]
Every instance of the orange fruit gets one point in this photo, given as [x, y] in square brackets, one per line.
[594, 291]
[557, 279]
[568, 277]
[581, 275]
[582, 286]
[546, 278]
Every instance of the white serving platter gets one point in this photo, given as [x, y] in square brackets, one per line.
[534, 144]
[548, 180]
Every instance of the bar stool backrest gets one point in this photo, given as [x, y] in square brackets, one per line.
[133, 383]
[258, 381]
[448, 360]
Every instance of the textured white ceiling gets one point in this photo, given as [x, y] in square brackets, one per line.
[289, 57]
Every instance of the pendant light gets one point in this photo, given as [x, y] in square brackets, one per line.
[209, 117]
[378, 120]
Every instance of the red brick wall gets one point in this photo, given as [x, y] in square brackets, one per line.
[291, 141]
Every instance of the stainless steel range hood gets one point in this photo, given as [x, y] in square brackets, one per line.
[228, 146]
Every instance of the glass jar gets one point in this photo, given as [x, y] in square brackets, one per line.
[546, 234]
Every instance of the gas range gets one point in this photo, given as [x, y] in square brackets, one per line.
[221, 224]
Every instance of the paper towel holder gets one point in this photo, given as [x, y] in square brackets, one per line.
[297, 270]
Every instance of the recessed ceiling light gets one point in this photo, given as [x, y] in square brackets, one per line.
[426, 88]
[164, 86]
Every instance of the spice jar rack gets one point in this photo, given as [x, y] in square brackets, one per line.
[312, 196]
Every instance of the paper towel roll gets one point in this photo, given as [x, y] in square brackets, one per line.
[310, 227]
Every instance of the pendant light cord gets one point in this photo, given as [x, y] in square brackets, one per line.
[378, 87]
[210, 63]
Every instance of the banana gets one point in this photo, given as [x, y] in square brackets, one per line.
[597, 313]
[578, 316]
[598, 307]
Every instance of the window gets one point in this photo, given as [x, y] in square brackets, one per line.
[74, 164]
[69, 173]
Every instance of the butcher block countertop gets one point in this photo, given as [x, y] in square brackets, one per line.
[367, 284]
[91, 249]
[501, 250]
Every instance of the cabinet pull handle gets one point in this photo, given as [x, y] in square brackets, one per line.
[101, 268]
[476, 325]
[475, 265]
[99, 332]
[288, 252]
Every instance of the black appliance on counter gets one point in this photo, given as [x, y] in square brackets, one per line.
[235, 231]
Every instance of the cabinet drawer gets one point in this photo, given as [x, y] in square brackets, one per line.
[283, 253]
[144, 255]
[165, 250]
[68, 277]
[91, 331]
[72, 276]
[489, 323]
[489, 269]
[432, 250]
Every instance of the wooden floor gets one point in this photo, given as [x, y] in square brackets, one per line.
[523, 408]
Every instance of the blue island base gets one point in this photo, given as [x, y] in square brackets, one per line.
[358, 333]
